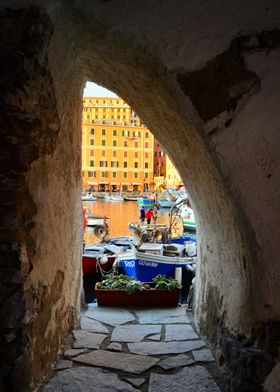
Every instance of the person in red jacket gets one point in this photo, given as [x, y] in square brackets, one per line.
[149, 215]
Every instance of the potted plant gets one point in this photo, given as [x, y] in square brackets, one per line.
[122, 290]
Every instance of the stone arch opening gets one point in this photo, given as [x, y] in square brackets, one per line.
[45, 68]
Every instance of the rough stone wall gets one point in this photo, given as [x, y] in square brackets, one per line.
[204, 79]
[40, 179]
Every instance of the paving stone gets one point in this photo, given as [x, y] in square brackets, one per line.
[155, 337]
[85, 339]
[174, 362]
[195, 378]
[118, 361]
[203, 356]
[115, 346]
[92, 325]
[179, 332]
[63, 364]
[136, 382]
[162, 316]
[72, 352]
[158, 348]
[81, 379]
[133, 333]
[110, 316]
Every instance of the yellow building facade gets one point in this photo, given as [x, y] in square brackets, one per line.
[117, 149]
[172, 179]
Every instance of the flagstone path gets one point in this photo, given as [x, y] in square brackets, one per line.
[150, 350]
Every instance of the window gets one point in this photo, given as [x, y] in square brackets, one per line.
[118, 117]
[114, 154]
[96, 116]
[124, 110]
[103, 142]
[136, 133]
[135, 175]
[125, 154]
[91, 163]
[103, 153]
[146, 175]
[92, 131]
[136, 144]
[146, 134]
[125, 164]
[103, 174]
[135, 165]
[136, 154]
[146, 165]
[125, 133]
[103, 130]
[114, 143]
[92, 142]
[124, 117]
[114, 164]
[104, 101]
[91, 153]
[124, 174]
[146, 145]
[115, 132]
[158, 145]
[90, 174]
[114, 174]
[103, 164]
[119, 110]
[146, 155]
[97, 101]
[125, 143]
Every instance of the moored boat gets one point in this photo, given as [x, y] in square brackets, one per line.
[114, 198]
[88, 197]
[145, 202]
[145, 266]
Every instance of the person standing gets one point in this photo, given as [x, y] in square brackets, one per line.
[142, 214]
[149, 215]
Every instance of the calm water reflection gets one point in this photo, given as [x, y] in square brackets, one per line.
[120, 214]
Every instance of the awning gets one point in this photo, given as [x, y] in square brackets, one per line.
[103, 183]
[114, 183]
[92, 183]
[137, 183]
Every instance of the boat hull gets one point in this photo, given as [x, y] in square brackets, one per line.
[145, 266]
[90, 263]
[189, 225]
[147, 203]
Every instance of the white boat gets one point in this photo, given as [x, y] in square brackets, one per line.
[114, 198]
[188, 219]
[88, 197]
[96, 220]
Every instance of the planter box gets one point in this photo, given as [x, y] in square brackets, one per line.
[145, 298]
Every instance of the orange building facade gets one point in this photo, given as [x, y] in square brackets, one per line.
[117, 149]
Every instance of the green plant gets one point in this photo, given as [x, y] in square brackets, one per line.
[121, 282]
[130, 284]
[165, 283]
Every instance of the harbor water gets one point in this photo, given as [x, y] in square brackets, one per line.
[120, 214]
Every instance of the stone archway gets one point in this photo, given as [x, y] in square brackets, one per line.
[199, 102]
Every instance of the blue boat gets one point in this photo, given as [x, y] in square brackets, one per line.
[145, 266]
[145, 202]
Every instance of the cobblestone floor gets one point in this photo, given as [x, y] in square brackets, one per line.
[148, 350]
